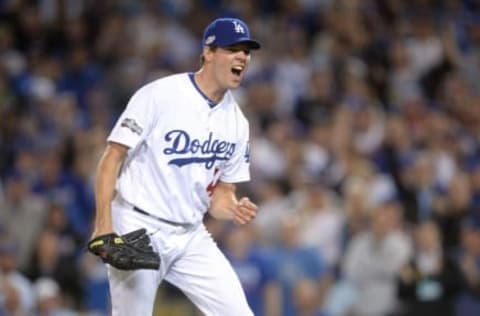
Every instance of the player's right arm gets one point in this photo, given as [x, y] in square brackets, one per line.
[106, 178]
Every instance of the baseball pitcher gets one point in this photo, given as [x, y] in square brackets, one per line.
[174, 154]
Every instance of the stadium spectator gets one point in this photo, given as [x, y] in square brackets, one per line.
[468, 303]
[429, 283]
[373, 260]
[15, 289]
[255, 269]
[22, 209]
[295, 262]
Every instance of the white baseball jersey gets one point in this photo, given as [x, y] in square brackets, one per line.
[180, 146]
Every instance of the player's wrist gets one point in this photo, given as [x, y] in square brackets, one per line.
[99, 231]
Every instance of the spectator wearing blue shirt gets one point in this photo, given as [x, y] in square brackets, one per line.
[305, 297]
[295, 262]
[57, 184]
[255, 269]
[81, 76]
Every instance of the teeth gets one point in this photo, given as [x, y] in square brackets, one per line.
[238, 68]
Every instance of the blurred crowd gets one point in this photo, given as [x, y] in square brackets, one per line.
[365, 149]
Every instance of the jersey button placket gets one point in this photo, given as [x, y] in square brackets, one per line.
[210, 120]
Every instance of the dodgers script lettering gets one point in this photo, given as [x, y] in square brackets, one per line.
[206, 151]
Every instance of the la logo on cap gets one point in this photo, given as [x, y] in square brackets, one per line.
[238, 27]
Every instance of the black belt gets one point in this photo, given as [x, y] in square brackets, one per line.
[166, 221]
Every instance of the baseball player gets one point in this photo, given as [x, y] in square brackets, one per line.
[174, 154]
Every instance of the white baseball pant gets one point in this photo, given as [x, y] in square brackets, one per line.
[190, 260]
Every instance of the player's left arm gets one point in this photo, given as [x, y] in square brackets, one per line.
[225, 205]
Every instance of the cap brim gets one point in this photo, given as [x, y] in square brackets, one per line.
[252, 44]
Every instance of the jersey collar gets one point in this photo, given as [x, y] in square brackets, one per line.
[210, 102]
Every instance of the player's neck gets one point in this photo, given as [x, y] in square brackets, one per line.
[208, 86]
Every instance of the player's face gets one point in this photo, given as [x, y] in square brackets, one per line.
[230, 64]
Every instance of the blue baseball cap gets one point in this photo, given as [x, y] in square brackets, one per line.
[225, 32]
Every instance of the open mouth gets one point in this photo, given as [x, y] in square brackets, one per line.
[237, 70]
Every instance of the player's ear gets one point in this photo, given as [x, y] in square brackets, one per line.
[208, 53]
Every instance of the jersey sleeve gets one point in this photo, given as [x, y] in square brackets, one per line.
[136, 121]
[237, 168]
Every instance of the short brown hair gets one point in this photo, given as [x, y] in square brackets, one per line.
[202, 58]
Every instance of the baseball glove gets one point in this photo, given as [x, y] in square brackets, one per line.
[131, 251]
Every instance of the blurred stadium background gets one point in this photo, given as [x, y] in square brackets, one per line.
[365, 118]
